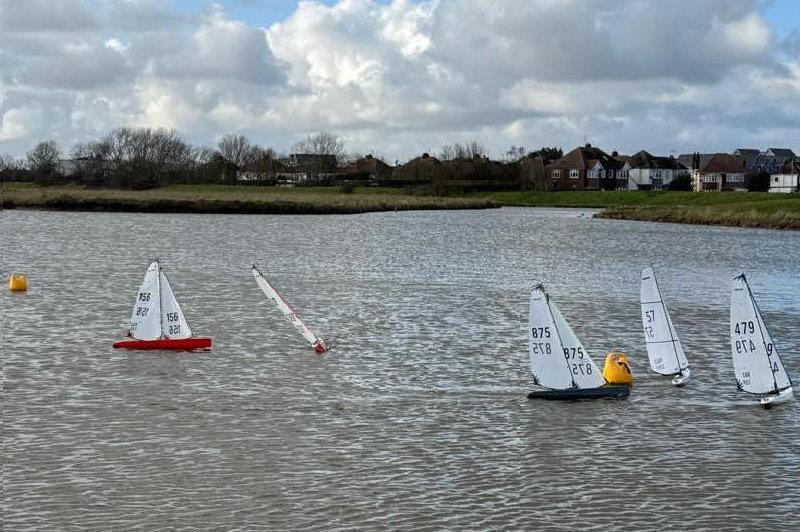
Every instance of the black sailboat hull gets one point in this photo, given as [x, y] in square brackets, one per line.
[575, 394]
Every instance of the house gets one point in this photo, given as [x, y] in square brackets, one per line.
[773, 159]
[750, 156]
[266, 169]
[648, 172]
[586, 167]
[715, 171]
[312, 163]
[422, 169]
[789, 181]
[368, 168]
[786, 183]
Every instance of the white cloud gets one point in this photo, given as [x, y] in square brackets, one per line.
[405, 76]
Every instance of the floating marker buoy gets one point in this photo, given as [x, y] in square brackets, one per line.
[616, 369]
[17, 282]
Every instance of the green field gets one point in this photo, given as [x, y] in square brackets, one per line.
[742, 209]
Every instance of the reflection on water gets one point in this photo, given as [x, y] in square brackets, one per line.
[418, 418]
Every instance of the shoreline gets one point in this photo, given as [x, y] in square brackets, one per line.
[731, 209]
[747, 219]
[206, 200]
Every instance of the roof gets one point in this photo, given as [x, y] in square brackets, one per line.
[585, 157]
[687, 159]
[784, 154]
[750, 155]
[644, 159]
[724, 163]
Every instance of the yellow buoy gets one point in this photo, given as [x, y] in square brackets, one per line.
[17, 282]
[616, 369]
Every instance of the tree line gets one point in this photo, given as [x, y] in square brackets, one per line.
[145, 157]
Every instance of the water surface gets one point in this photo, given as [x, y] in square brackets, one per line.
[418, 418]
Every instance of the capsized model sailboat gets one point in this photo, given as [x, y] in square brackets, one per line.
[157, 321]
[664, 349]
[756, 363]
[560, 364]
[317, 343]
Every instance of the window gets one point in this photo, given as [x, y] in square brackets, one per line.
[573, 174]
[556, 174]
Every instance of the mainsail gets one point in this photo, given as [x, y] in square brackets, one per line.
[756, 363]
[146, 314]
[156, 312]
[557, 357]
[664, 349]
[278, 300]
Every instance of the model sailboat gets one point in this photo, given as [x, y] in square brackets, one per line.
[317, 343]
[560, 364]
[756, 363]
[157, 321]
[663, 346]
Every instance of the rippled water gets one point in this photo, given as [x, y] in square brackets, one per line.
[418, 418]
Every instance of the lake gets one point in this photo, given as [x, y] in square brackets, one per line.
[418, 418]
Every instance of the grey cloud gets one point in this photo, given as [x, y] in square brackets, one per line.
[45, 16]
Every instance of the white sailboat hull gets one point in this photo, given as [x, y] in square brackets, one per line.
[783, 396]
[682, 378]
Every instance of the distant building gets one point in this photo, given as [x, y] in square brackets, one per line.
[422, 169]
[773, 160]
[266, 169]
[586, 167]
[785, 183]
[750, 156]
[715, 171]
[368, 168]
[649, 172]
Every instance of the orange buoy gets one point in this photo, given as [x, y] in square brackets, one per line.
[616, 369]
[17, 282]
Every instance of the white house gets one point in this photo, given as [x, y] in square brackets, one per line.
[646, 171]
[786, 183]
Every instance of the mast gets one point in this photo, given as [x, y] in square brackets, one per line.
[668, 320]
[160, 301]
[560, 341]
[761, 331]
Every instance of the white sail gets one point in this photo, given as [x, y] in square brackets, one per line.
[756, 363]
[584, 371]
[277, 299]
[548, 365]
[146, 314]
[173, 322]
[664, 349]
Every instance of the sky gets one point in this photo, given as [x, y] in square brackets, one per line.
[396, 78]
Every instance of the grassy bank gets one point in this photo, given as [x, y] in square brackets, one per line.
[228, 199]
[738, 209]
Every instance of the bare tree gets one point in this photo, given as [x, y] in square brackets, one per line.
[9, 163]
[322, 143]
[470, 150]
[514, 154]
[238, 149]
[43, 159]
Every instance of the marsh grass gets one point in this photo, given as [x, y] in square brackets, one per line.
[221, 199]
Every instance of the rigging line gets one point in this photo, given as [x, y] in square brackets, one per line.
[560, 341]
[761, 331]
[669, 322]
[661, 342]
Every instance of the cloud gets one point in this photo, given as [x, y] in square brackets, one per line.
[405, 76]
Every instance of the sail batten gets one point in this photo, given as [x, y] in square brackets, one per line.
[664, 349]
[756, 363]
